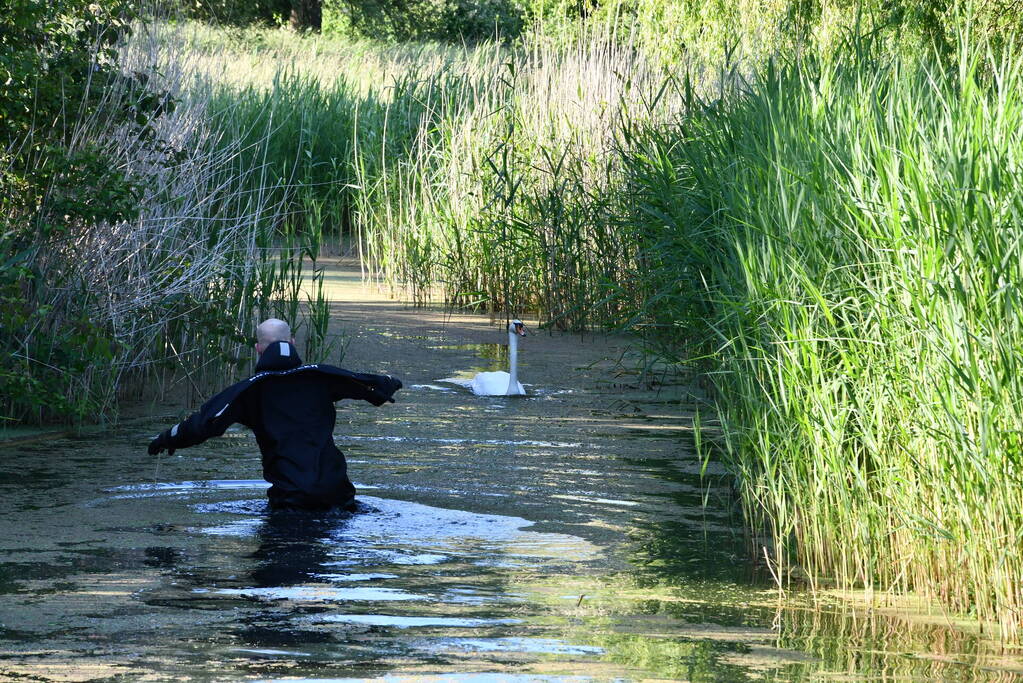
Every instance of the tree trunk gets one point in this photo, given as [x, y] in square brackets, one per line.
[306, 15]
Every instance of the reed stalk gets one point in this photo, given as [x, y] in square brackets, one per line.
[848, 232]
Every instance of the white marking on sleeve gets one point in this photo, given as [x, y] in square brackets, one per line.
[285, 349]
[221, 411]
[174, 430]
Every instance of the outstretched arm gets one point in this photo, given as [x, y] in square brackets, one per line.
[377, 389]
[211, 420]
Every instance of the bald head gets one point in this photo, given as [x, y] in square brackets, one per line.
[272, 330]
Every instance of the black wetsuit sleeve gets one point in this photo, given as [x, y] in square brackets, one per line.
[212, 419]
[377, 389]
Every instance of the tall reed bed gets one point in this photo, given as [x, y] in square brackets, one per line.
[850, 232]
[485, 176]
[506, 193]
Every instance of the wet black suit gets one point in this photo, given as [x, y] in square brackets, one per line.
[290, 407]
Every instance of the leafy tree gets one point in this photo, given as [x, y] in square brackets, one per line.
[238, 12]
[445, 20]
[58, 66]
[306, 15]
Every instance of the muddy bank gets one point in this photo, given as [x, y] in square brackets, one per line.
[556, 537]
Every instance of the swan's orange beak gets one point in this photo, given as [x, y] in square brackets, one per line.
[520, 329]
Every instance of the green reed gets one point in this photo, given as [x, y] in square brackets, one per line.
[846, 235]
[485, 177]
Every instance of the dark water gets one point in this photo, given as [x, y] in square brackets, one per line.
[559, 537]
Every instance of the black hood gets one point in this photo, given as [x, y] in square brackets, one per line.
[278, 356]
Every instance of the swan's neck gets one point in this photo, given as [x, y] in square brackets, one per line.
[513, 360]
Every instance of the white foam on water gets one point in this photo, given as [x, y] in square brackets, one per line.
[480, 442]
[383, 556]
[485, 677]
[524, 645]
[199, 485]
[133, 496]
[324, 593]
[432, 387]
[434, 489]
[413, 622]
[353, 577]
[241, 527]
[180, 488]
[404, 533]
[605, 501]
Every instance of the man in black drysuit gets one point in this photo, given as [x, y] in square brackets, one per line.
[290, 407]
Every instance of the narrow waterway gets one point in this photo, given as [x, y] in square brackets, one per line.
[561, 536]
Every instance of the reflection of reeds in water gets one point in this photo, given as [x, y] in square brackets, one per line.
[892, 645]
[714, 631]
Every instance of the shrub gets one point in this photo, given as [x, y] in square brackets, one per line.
[237, 12]
[442, 20]
[57, 66]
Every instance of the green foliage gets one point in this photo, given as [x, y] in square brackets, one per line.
[57, 62]
[443, 20]
[237, 12]
[672, 30]
[55, 56]
[57, 65]
[42, 363]
[677, 31]
[854, 223]
[300, 137]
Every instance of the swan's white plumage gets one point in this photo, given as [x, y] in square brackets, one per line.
[494, 384]
[498, 383]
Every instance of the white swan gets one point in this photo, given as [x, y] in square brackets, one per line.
[499, 383]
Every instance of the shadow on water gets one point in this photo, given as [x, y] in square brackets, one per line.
[704, 542]
[292, 547]
[292, 551]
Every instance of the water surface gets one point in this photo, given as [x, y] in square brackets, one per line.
[557, 537]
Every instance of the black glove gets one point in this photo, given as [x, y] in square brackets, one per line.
[381, 388]
[161, 442]
[392, 385]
